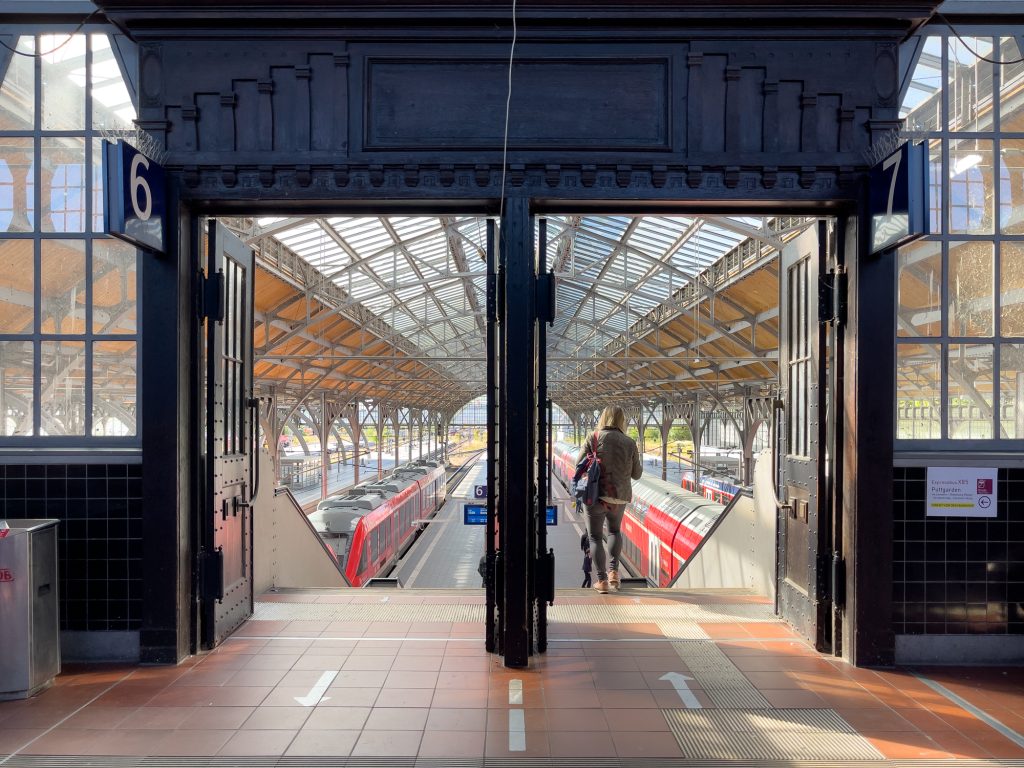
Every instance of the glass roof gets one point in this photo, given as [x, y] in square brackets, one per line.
[425, 277]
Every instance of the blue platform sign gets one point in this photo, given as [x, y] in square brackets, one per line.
[474, 514]
[136, 208]
[898, 199]
[479, 491]
[551, 514]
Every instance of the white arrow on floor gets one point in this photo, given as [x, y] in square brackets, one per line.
[678, 681]
[316, 693]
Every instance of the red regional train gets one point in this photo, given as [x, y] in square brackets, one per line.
[368, 527]
[663, 523]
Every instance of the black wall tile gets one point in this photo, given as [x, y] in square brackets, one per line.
[99, 506]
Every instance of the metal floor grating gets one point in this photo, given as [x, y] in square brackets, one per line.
[52, 761]
[758, 734]
[563, 614]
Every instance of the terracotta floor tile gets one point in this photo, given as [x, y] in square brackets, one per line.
[849, 699]
[319, 743]
[415, 662]
[92, 717]
[575, 744]
[648, 744]
[409, 679]
[996, 744]
[272, 661]
[466, 664]
[773, 680]
[192, 743]
[405, 697]
[875, 720]
[277, 718]
[360, 679]
[350, 697]
[452, 744]
[259, 677]
[959, 746]
[496, 744]
[456, 719]
[12, 739]
[569, 719]
[462, 680]
[635, 720]
[258, 743]
[321, 661]
[368, 663]
[396, 719]
[564, 681]
[337, 718]
[622, 699]
[217, 718]
[155, 718]
[204, 675]
[571, 699]
[388, 743]
[64, 741]
[924, 720]
[906, 745]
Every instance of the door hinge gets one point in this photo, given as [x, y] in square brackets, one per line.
[211, 574]
[838, 581]
[832, 297]
[211, 296]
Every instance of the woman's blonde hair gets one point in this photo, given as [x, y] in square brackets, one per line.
[612, 416]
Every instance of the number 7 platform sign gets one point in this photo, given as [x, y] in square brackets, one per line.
[898, 198]
[136, 207]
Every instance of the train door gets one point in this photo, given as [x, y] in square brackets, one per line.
[231, 475]
[654, 559]
[805, 508]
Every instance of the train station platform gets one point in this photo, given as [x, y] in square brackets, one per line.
[401, 678]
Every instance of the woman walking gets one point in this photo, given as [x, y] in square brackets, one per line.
[620, 465]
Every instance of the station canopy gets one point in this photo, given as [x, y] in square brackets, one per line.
[394, 307]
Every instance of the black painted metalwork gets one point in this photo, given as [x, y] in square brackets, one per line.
[516, 464]
[226, 555]
[491, 629]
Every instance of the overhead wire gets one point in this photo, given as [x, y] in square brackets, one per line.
[39, 54]
[508, 111]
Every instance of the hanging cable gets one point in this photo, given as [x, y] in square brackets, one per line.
[71, 34]
[963, 42]
[508, 110]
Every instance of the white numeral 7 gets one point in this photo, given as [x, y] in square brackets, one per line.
[889, 162]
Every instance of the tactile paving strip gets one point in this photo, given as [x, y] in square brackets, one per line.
[724, 684]
[563, 614]
[682, 630]
[757, 734]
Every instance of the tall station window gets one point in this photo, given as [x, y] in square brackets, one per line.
[69, 345]
[960, 305]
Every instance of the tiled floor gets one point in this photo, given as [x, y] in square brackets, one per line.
[347, 677]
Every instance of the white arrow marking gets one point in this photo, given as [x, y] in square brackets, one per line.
[384, 600]
[316, 693]
[679, 683]
[515, 692]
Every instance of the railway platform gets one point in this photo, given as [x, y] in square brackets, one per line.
[374, 677]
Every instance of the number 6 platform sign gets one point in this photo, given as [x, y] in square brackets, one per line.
[135, 205]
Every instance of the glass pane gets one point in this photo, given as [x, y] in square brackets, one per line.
[1011, 79]
[918, 392]
[17, 297]
[98, 203]
[16, 365]
[919, 303]
[1011, 186]
[922, 106]
[63, 82]
[62, 286]
[16, 187]
[970, 84]
[935, 191]
[112, 107]
[970, 187]
[970, 391]
[62, 392]
[1011, 290]
[1011, 391]
[970, 288]
[63, 193]
[114, 388]
[17, 94]
[113, 286]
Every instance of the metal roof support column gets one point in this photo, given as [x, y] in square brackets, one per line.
[272, 429]
[380, 441]
[667, 420]
[355, 429]
[325, 431]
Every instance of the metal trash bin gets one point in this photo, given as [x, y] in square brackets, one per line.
[29, 617]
